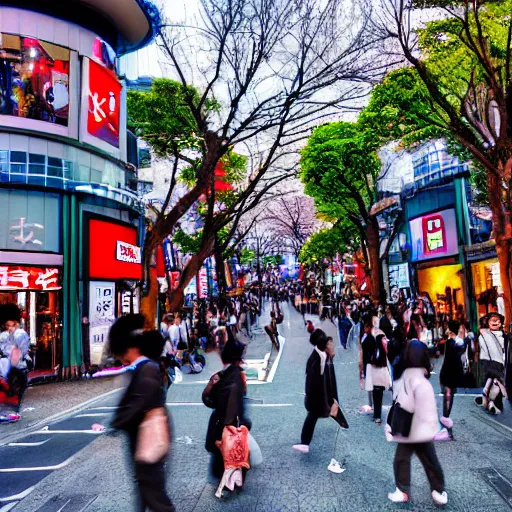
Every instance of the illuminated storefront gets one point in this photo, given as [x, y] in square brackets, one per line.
[64, 158]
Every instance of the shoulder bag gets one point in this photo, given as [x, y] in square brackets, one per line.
[153, 437]
[399, 419]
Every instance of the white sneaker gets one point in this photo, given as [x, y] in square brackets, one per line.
[335, 467]
[440, 498]
[303, 448]
[398, 496]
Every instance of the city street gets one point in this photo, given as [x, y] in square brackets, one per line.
[64, 466]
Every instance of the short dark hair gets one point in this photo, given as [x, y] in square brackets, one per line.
[416, 356]
[127, 332]
[318, 339]
[453, 326]
[10, 311]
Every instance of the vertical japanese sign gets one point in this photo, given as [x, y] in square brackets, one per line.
[202, 283]
[101, 316]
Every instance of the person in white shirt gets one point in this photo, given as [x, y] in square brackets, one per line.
[174, 333]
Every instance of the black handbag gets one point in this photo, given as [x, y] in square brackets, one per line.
[399, 419]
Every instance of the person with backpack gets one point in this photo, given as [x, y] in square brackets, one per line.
[455, 365]
[416, 425]
[224, 394]
[494, 355]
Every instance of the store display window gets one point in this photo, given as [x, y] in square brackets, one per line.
[487, 285]
[34, 79]
[40, 313]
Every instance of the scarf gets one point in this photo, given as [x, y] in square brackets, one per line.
[323, 359]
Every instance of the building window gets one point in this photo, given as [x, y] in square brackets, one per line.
[37, 164]
[55, 167]
[18, 162]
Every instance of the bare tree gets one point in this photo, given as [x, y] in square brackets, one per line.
[293, 220]
[268, 71]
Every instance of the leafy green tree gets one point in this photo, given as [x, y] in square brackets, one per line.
[327, 242]
[464, 61]
[339, 168]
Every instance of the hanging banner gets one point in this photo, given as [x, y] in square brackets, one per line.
[29, 278]
[101, 317]
[202, 283]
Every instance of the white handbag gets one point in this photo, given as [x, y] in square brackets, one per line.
[153, 437]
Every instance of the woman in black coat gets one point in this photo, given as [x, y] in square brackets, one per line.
[144, 395]
[225, 395]
[452, 370]
[321, 389]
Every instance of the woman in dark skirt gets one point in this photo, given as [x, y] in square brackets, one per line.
[321, 389]
[453, 368]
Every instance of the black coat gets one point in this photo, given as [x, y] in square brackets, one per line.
[321, 390]
[452, 371]
[144, 393]
[226, 397]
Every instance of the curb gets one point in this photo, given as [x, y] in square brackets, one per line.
[56, 417]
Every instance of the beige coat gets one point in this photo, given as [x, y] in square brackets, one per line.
[415, 394]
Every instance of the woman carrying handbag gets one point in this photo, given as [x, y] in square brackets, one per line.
[141, 412]
[413, 398]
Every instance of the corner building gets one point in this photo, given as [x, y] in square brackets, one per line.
[71, 225]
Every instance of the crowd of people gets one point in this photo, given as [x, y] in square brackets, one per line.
[396, 347]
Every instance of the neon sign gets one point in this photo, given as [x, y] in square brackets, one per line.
[29, 278]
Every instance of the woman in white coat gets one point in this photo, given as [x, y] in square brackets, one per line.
[415, 394]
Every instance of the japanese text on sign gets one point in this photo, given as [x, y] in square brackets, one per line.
[29, 278]
[128, 252]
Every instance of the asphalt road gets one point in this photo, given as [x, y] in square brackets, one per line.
[69, 469]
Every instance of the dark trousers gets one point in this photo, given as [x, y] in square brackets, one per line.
[150, 480]
[378, 394]
[308, 428]
[428, 457]
[448, 395]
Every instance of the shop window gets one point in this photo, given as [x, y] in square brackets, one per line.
[18, 162]
[35, 79]
[37, 164]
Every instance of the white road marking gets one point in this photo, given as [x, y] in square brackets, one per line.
[67, 432]
[19, 496]
[249, 404]
[272, 373]
[471, 395]
[40, 443]
[103, 408]
[92, 414]
[38, 468]
[9, 506]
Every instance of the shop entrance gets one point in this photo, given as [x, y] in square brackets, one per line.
[40, 313]
[443, 284]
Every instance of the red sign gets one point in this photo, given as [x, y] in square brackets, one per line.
[29, 278]
[104, 104]
[104, 239]
[434, 234]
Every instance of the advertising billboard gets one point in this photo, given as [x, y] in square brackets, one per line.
[34, 79]
[113, 251]
[104, 96]
[434, 235]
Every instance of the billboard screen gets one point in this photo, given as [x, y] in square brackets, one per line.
[113, 251]
[434, 235]
[34, 79]
[104, 98]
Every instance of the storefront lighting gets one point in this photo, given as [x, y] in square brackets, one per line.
[31, 66]
[33, 53]
[402, 241]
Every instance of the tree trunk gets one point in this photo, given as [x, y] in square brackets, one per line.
[502, 228]
[219, 268]
[148, 303]
[373, 246]
[177, 296]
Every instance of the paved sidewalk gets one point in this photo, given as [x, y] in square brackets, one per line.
[48, 400]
